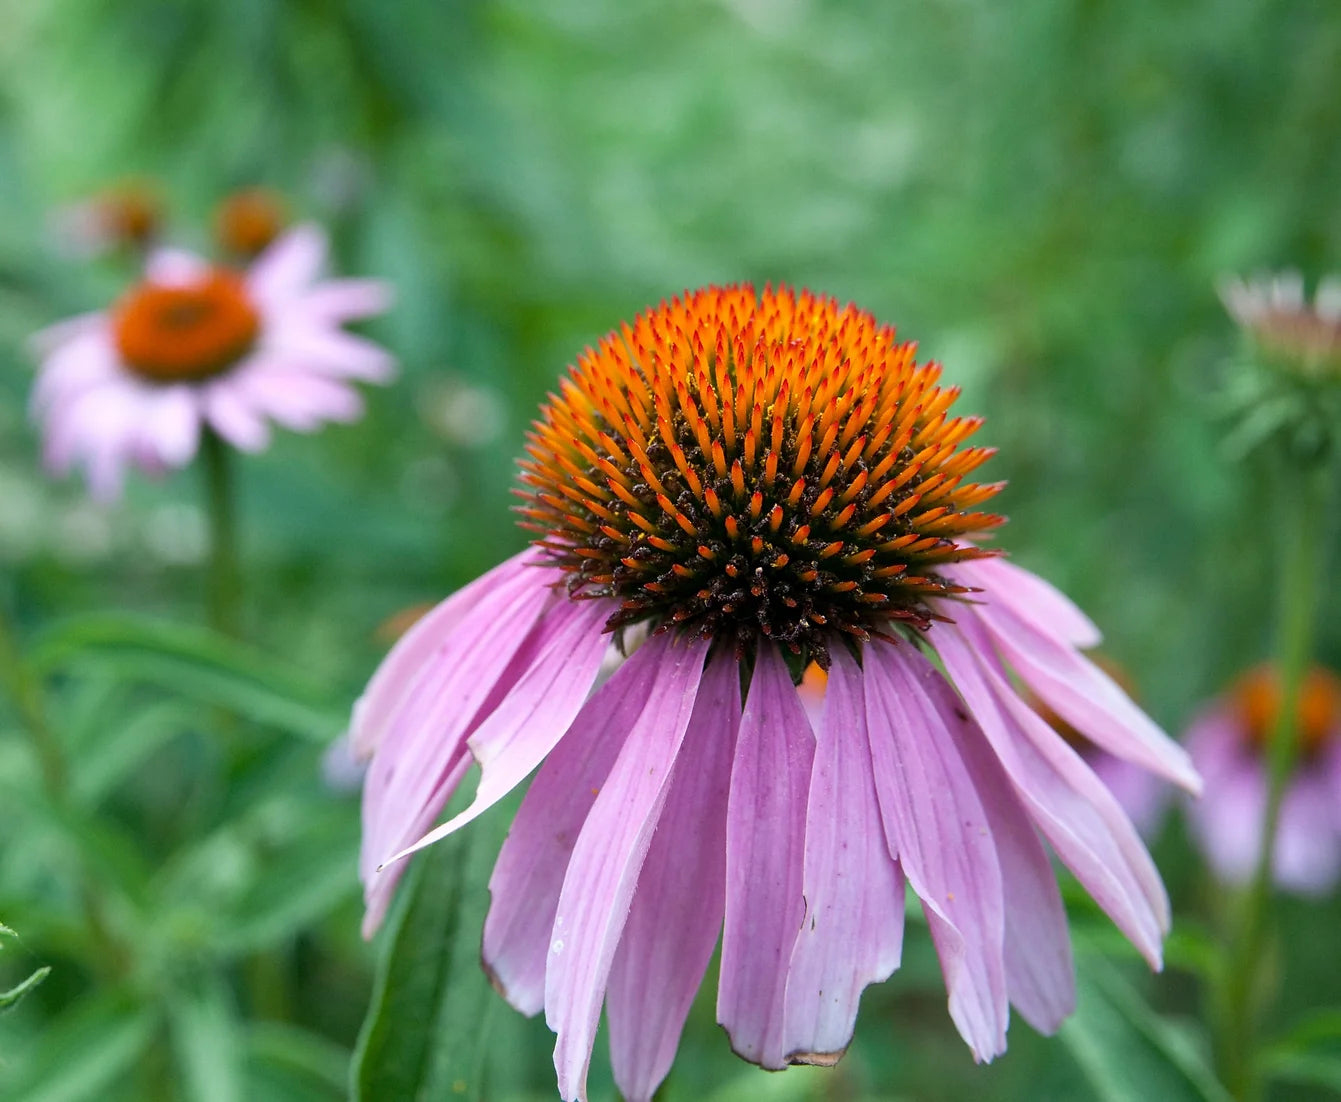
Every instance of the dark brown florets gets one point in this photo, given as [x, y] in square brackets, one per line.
[751, 466]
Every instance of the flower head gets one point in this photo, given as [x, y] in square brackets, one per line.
[1228, 742]
[128, 215]
[248, 221]
[1284, 325]
[196, 345]
[755, 482]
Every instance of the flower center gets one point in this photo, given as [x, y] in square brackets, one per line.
[1256, 696]
[168, 334]
[751, 466]
[247, 221]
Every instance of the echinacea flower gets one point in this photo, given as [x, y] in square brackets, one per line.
[1228, 744]
[1274, 311]
[128, 215]
[762, 481]
[196, 346]
[248, 221]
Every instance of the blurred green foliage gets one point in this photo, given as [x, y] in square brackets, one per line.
[1043, 193]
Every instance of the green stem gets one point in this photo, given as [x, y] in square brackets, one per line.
[1305, 497]
[25, 691]
[223, 581]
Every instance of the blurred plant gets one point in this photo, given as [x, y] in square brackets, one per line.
[15, 994]
[127, 217]
[759, 481]
[247, 222]
[1285, 398]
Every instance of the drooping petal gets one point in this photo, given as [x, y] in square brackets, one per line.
[297, 399]
[287, 267]
[1083, 695]
[1040, 972]
[1227, 820]
[340, 300]
[86, 359]
[936, 824]
[171, 425]
[676, 914]
[1143, 796]
[1067, 802]
[517, 735]
[332, 353]
[765, 849]
[604, 867]
[528, 875]
[852, 934]
[233, 418]
[1307, 855]
[428, 732]
[377, 707]
[1031, 598]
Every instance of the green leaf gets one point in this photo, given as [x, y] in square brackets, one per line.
[206, 1042]
[14, 994]
[1127, 1051]
[83, 1055]
[1309, 1055]
[197, 664]
[423, 1037]
[308, 1055]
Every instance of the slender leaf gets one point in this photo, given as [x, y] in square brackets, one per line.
[82, 1055]
[294, 1050]
[1125, 1049]
[205, 1037]
[424, 1034]
[197, 664]
[14, 994]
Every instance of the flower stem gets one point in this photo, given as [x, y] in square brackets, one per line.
[1304, 500]
[223, 581]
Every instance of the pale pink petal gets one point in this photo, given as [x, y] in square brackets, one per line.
[288, 266]
[936, 824]
[765, 849]
[331, 352]
[377, 707]
[1227, 821]
[603, 871]
[296, 399]
[676, 913]
[171, 426]
[341, 300]
[175, 268]
[527, 724]
[1307, 857]
[1040, 973]
[1031, 598]
[529, 874]
[1067, 802]
[233, 418]
[87, 360]
[852, 934]
[46, 341]
[440, 709]
[1143, 796]
[1083, 695]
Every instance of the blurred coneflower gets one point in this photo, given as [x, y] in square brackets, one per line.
[247, 222]
[1228, 744]
[128, 215]
[1284, 325]
[764, 481]
[199, 347]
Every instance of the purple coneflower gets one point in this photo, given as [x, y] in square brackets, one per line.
[1228, 743]
[764, 481]
[200, 346]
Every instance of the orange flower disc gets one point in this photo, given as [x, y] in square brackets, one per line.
[1256, 695]
[247, 221]
[747, 465]
[191, 331]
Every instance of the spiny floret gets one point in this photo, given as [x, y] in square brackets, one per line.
[747, 465]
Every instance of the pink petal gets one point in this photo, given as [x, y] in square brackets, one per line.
[765, 848]
[1143, 796]
[529, 874]
[599, 885]
[852, 934]
[288, 266]
[171, 427]
[1307, 856]
[86, 360]
[1085, 696]
[233, 418]
[297, 399]
[530, 720]
[429, 729]
[331, 352]
[175, 268]
[676, 913]
[376, 708]
[1227, 820]
[1068, 803]
[46, 341]
[341, 300]
[1031, 598]
[1040, 974]
[936, 824]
